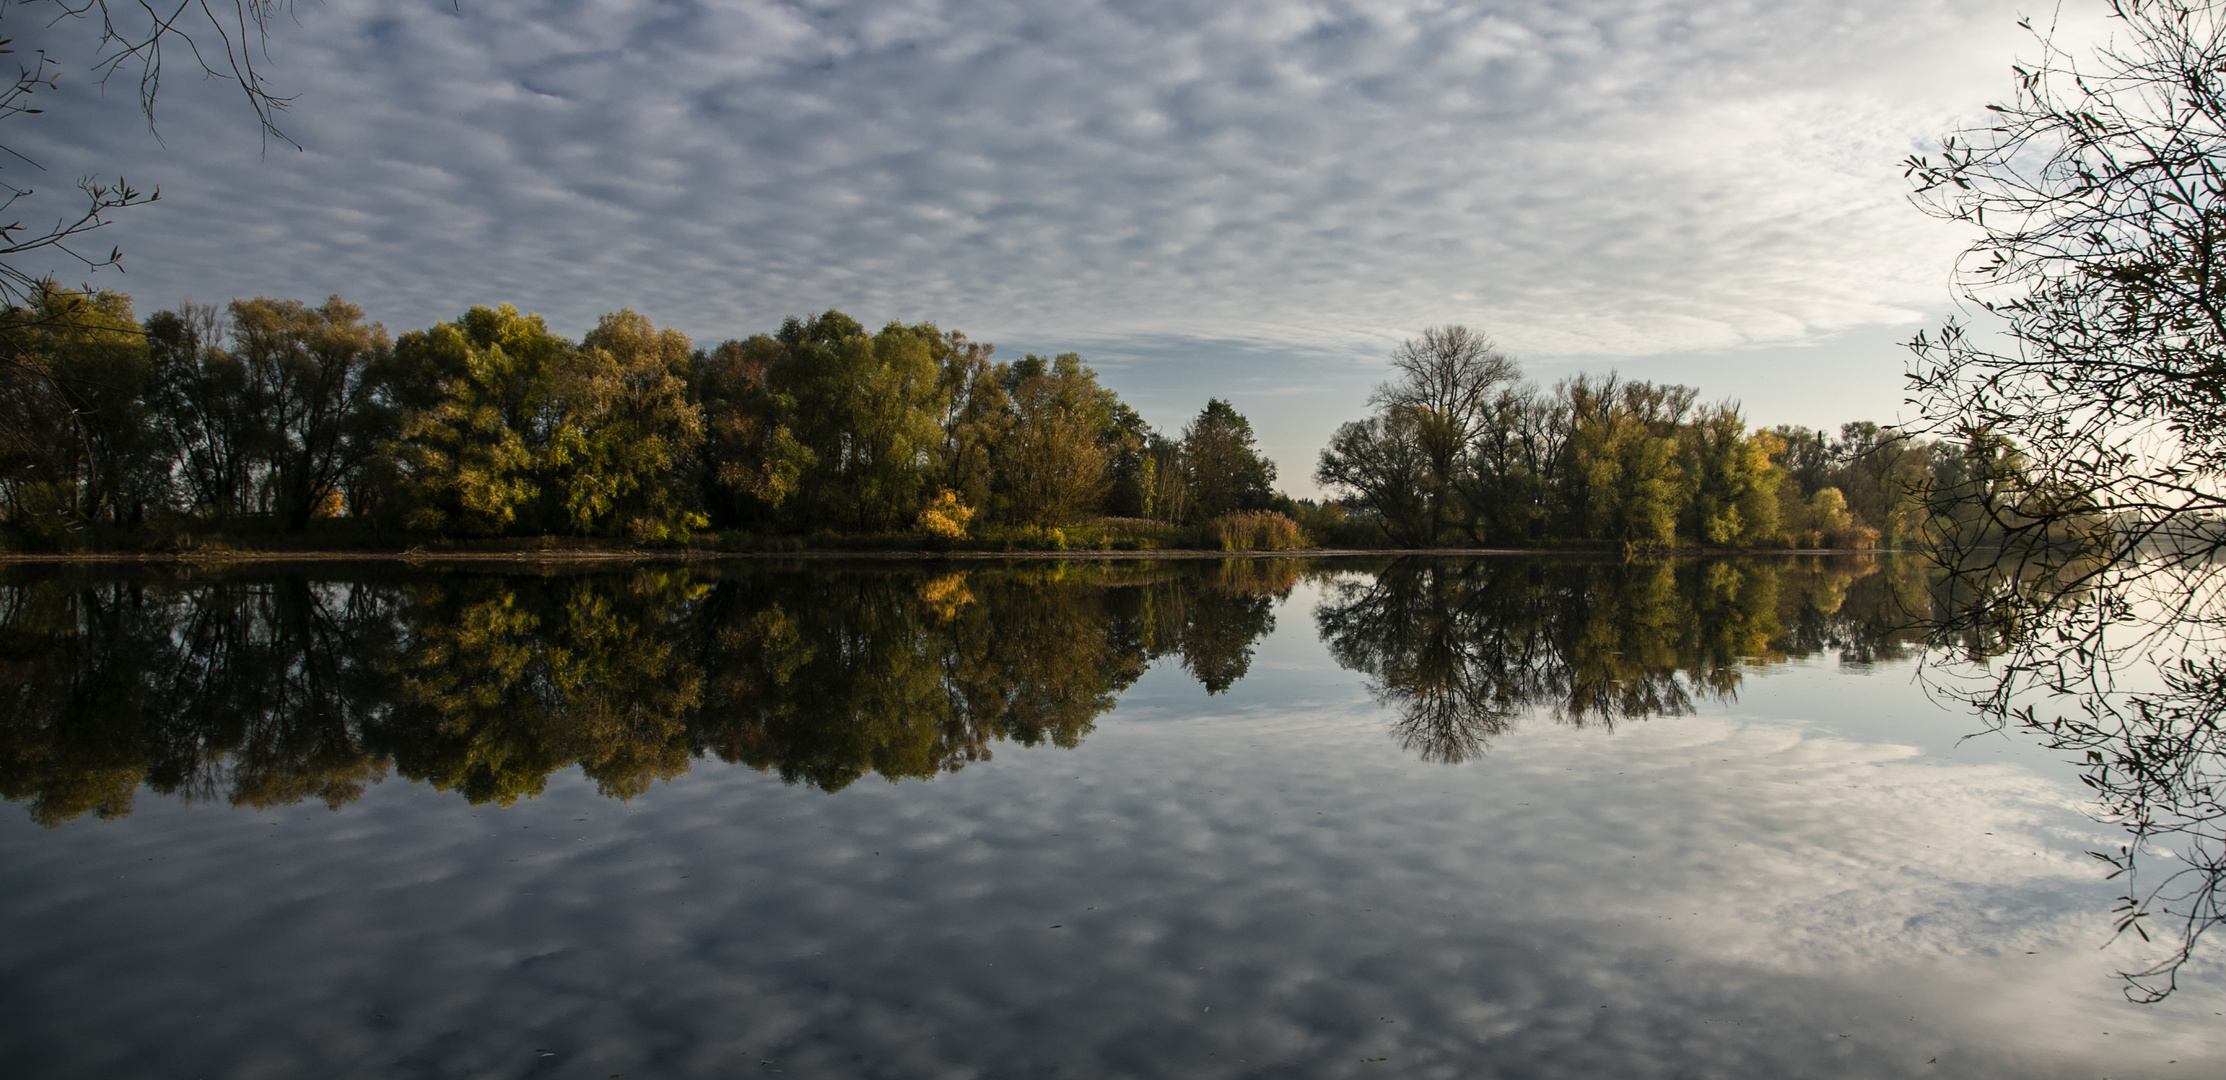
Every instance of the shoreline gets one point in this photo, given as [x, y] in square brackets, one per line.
[632, 555]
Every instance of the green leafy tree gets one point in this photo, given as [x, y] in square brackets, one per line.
[1165, 478]
[752, 462]
[625, 433]
[1625, 481]
[76, 445]
[867, 410]
[1226, 470]
[1734, 487]
[1058, 459]
[896, 436]
[977, 414]
[1885, 475]
[477, 407]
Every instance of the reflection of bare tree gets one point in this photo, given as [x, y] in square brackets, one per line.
[1209, 621]
[2158, 764]
[1464, 648]
[1444, 725]
[273, 673]
[1413, 631]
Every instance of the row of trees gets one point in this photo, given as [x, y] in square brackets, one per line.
[1460, 450]
[276, 411]
[492, 425]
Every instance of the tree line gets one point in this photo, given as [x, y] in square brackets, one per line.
[1460, 450]
[492, 425]
[273, 415]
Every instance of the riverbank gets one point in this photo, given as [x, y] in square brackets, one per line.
[683, 555]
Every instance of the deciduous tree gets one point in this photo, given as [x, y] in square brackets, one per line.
[1226, 471]
[477, 407]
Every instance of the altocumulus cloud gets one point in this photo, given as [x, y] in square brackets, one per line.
[1585, 178]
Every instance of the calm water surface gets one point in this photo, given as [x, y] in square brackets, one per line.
[1391, 818]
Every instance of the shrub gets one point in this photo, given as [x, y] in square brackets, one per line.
[1253, 530]
[1853, 536]
[945, 516]
[1025, 538]
[1130, 534]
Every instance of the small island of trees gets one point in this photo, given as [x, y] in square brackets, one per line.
[277, 423]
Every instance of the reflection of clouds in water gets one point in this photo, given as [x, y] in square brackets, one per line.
[1846, 850]
[1276, 890]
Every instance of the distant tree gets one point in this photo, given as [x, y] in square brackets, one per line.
[1226, 470]
[1625, 480]
[1384, 463]
[1516, 462]
[1449, 381]
[1166, 475]
[866, 409]
[977, 413]
[1734, 488]
[1885, 476]
[212, 425]
[1805, 458]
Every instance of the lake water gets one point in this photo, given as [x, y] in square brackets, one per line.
[1412, 818]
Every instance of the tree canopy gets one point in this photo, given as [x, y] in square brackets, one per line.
[279, 414]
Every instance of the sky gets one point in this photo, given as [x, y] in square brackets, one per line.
[1237, 199]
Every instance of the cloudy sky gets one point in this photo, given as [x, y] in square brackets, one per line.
[1244, 199]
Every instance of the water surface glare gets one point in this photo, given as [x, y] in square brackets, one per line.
[1388, 818]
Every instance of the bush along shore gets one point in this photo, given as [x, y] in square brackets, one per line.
[280, 426]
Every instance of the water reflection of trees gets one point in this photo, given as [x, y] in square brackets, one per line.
[273, 687]
[1464, 648]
